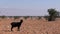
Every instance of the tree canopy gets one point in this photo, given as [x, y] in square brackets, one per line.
[52, 14]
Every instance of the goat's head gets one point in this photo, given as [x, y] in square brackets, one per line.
[21, 20]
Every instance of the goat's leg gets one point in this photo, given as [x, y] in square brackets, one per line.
[11, 28]
[18, 28]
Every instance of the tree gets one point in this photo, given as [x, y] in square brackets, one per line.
[52, 14]
[58, 14]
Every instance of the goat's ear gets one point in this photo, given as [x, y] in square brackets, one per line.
[21, 20]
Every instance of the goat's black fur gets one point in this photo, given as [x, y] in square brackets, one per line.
[16, 24]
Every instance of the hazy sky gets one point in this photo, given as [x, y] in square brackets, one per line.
[27, 7]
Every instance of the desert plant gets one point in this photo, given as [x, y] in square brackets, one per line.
[2, 16]
[16, 17]
[10, 16]
[52, 14]
[46, 17]
[26, 17]
[39, 17]
[31, 17]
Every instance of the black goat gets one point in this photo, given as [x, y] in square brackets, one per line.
[16, 24]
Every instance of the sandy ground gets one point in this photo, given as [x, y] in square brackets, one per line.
[30, 26]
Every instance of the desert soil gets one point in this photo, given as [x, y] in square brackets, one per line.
[30, 26]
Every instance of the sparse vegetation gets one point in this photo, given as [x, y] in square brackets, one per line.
[25, 17]
[16, 17]
[31, 17]
[3, 16]
[46, 17]
[52, 14]
[39, 17]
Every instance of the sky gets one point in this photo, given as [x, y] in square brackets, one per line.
[27, 7]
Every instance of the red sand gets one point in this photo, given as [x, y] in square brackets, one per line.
[30, 26]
